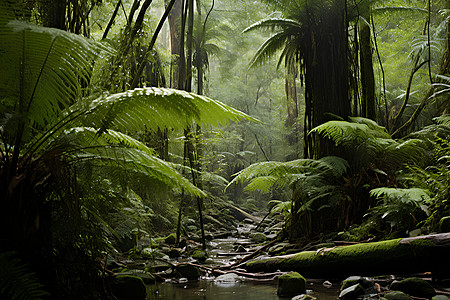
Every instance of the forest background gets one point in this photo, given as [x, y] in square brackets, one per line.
[345, 107]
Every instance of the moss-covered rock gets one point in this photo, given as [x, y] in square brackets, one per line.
[352, 292]
[415, 287]
[171, 239]
[352, 280]
[188, 271]
[440, 297]
[259, 237]
[200, 255]
[129, 287]
[304, 297]
[396, 295]
[174, 252]
[291, 284]
[444, 224]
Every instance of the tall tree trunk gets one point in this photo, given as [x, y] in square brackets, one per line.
[326, 72]
[54, 13]
[176, 28]
[367, 77]
[292, 106]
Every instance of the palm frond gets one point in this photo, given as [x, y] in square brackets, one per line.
[152, 108]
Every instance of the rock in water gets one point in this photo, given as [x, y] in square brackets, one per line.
[291, 284]
[352, 292]
[188, 271]
[415, 287]
[129, 287]
[228, 279]
[200, 256]
[396, 295]
[259, 237]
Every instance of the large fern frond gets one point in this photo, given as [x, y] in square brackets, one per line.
[370, 143]
[120, 156]
[266, 175]
[41, 70]
[151, 107]
[413, 195]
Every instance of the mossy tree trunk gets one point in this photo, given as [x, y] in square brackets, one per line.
[399, 256]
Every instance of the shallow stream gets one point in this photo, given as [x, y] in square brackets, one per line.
[207, 288]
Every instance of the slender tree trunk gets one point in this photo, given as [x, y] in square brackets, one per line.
[54, 13]
[176, 27]
[367, 77]
[292, 106]
[189, 44]
[111, 21]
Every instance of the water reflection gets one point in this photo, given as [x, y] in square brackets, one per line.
[210, 290]
[245, 290]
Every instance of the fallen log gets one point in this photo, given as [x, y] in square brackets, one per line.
[399, 256]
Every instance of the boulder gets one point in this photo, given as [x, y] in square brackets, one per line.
[291, 284]
[259, 237]
[304, 297]
[171, 239]
[415, 287]
[444, 224]
[129, 287]
[230, 278]
[396, 295]
[352, 280]
[352, 292]
[240, 248]
[174, 252]
[200, 255]
[440, 297]
[188, 271]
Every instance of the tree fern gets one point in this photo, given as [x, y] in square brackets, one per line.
[365, 143]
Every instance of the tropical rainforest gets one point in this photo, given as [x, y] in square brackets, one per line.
[124, 121]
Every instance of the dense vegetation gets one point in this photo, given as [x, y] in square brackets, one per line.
[330, 114]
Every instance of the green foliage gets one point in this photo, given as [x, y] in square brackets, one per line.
[17, 282]
[435, 177]
[60, 145]
[366, 143]
[401, 209]
[159, 107]
[314, 185]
